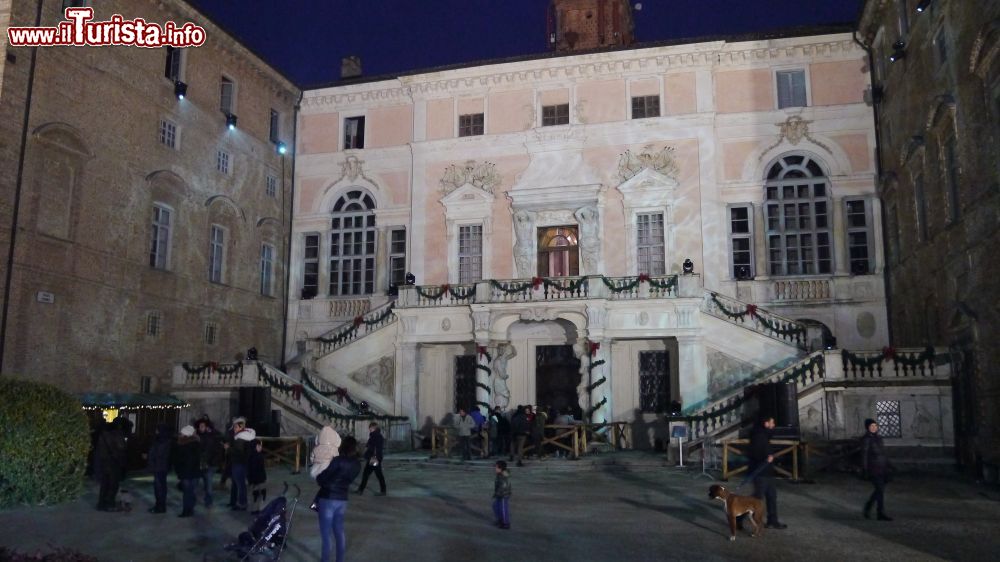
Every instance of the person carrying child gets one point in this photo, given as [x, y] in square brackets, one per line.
[327, 444]
[501, 495]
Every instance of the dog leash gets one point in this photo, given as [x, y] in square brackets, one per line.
[760, 468]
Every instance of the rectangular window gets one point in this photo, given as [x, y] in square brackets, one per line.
[650, 244]
[354, 132]
[888, 418]
[267, 270]
[397, 257]
[227, 96]
[159, 252]
[470, 253]
[920, 204]
[153, 323]
[74, 4]
[275, 127]
[211, 333]
[791, 88]
[172, 69]
[216, 253]
[860, 248]
[222, 161]
[272, 187]
[741, 241]
[168, 133]
[310, 267]
[645, 106]
[555, 114]
[654, 381]
[470, 125]
[951, 170]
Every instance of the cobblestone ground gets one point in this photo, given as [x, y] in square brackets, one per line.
[560, 511]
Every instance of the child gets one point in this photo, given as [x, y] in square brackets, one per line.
[257, 476]
[501, 496]
[327, 444]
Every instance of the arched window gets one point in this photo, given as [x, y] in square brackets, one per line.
[558, 254]
[352, 245]
[797, 213]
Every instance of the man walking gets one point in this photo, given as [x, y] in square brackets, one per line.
[876, 465]
[761, 462]
[464, 425]
[373, 459]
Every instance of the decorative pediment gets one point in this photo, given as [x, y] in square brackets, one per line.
[481, 175]
[353, 168]
[468, 201]
[631, 163]
[648, 188]
[794, 129]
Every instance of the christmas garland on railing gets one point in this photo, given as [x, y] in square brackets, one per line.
[623, 287]
[511, 289]
[917, 360]
[853, 360]
[447, 289]
[889, 353]
[751, 309]
[772, 326]
[669, 284]
[228, 369]
[340, 392]
[195, 370]
[572, 287]
[348, 332]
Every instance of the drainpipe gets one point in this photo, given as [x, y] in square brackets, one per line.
[17, 192]
[878, 176]
[288, 244]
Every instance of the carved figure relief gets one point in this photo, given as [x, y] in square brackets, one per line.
[501, 392]
[446, 324]
[662, 161]
[590, 242]
[481, 320]
[482, 175]
[378, 376]
[794, 129]
[524, 249]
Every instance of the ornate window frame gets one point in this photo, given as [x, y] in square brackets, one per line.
[468, 205]
[648, 191]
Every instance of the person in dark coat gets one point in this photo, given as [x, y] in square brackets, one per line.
[520, 426]
[501, 444]
[187, 464]
[239, 456]
[109, 458]
[501, 495]
[212, 455]
[335, 482]
[762, 460]
[257, 476]
[158, 462]
[373, 459]
[876, 466]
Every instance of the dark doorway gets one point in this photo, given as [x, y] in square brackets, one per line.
[465, 382]
[557, 374]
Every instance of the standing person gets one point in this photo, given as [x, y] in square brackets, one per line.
[237, 425]
[334, 483]
[257, 476]
[538, 431]
[500, 430]
[763, 482]
[158, 462]
[464, 425]
[187, 464]
[520, 427]
[501, 495]
[876, 468]
[109, 458]
[373, 459]
[212, 455]
[239, 456]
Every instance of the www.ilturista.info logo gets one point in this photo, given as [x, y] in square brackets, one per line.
[78, 30]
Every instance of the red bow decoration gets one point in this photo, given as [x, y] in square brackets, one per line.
[340, 393]
[888, 352]
[481, 349]
[445, 288]
[297, 391]
[535, 282]
[594, 346]
[644, 277]
[214, 365]
[358, 320]
[752, 309]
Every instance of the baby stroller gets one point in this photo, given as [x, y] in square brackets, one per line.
[266, 537]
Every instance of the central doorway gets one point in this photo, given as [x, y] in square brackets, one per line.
[557, 376]
[558, 252]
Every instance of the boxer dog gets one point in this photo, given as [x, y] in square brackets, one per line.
[736, 506]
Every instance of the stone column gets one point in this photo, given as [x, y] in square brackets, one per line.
[838, 238]
[693, 366]
[484, 357]
[381, 259]
[407, 391]
[600, 380]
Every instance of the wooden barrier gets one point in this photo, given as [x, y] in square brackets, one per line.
[283, 450]
[443, 441]
[734, 445]
[618, 435]
[574, 439]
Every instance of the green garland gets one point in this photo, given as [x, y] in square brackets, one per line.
[572, 287]
[484, 387]
[510, 288]
[793, 331]
[729, 314]
[851, 360]
[352, 329]
[481, 367]
[195, 370]
[320, 407]
[926, 356]
[670, 283]
[595, 407]
[447, 289]
[591, 387]
[620, 288]
[230, 369]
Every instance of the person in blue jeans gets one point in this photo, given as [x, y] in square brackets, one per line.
[187, 459]
[501, 496]
[334, 484]
[239, 456]
[211, 455]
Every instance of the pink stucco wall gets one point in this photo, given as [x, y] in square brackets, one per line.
[319, 133]
[389, 126]
[681, 94]
[510, 112]
[858, 151]
[836, 83]
[744, 90]
[397, 187]
[687, 212]
[601, 102]
[552, 97]
[644, 87]
[734, 156]
[471, 105]
[440, 119]
[309, 192]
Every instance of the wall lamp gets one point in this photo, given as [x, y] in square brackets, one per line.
[230, 121]
[923, 5]
[688, 266]
[180, 89]
[281, 147]
[898, 51]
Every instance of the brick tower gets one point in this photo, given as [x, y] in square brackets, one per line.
[579, 25]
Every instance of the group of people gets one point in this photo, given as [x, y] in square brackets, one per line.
[509, 433]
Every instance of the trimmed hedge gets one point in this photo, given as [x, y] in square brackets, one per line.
[44, 441]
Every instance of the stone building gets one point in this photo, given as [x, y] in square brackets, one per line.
[147, 229]
[936, 77]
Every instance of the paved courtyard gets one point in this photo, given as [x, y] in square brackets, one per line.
[560, 511]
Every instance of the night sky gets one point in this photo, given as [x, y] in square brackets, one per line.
[306, 39]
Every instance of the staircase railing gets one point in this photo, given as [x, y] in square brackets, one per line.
[757, 319]
[361, 326]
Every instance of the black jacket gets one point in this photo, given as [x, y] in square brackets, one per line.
[501, 487]
[109, 453]
[335, 481]
[158, 458]
[256, 474]
[375, 446]
[873, 458]
[760, 448]
[519, 424]
[503, 426]
[187, 458]
[212, 453]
